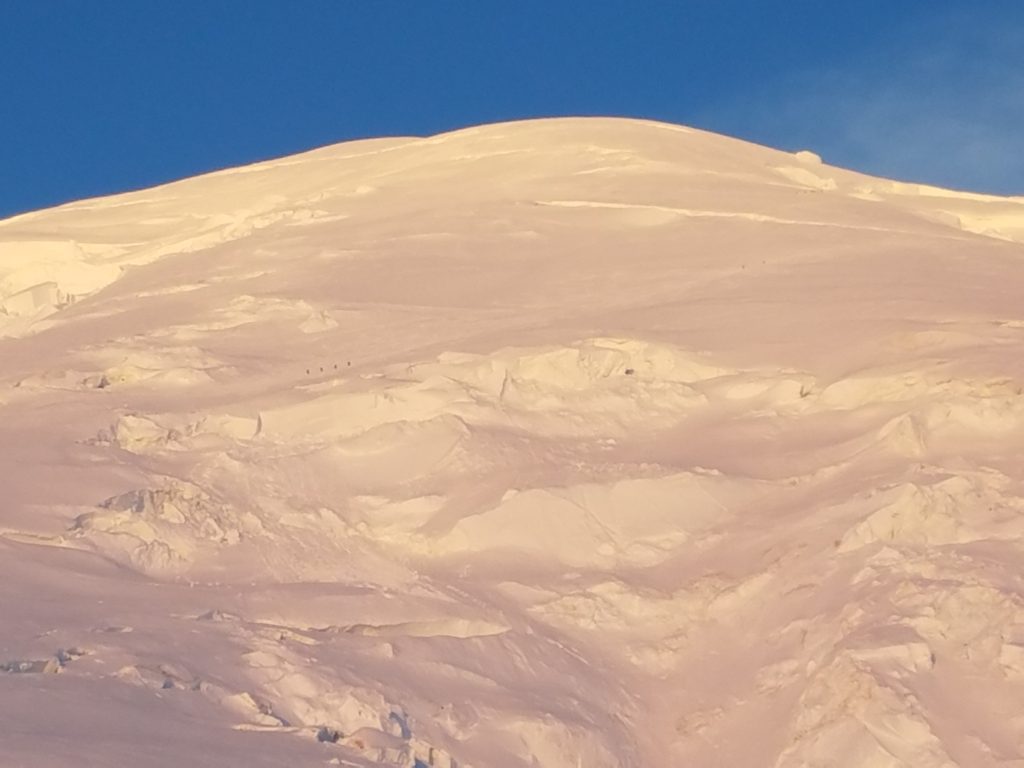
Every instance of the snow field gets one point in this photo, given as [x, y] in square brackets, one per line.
[561, 443]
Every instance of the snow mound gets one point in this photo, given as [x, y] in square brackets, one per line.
[160, 531]
[873, 723]
[632, 522]
[914, 515]
[149, 433]
[598, 384]
[64, 265]
[806, 177]
[245, 310]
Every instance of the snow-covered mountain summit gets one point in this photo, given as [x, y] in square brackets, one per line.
[575, 442]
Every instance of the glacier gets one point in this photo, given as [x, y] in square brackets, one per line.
[570, 443]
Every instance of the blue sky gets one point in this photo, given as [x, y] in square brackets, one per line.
[98, 96]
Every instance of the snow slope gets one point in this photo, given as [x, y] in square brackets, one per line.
[563, 443]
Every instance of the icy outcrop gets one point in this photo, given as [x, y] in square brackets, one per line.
[161, 530]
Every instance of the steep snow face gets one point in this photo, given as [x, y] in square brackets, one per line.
[568, 443]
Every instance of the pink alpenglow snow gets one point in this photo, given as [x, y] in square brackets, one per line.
[568, 443]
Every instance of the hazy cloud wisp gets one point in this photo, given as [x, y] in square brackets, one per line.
[947, 110]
